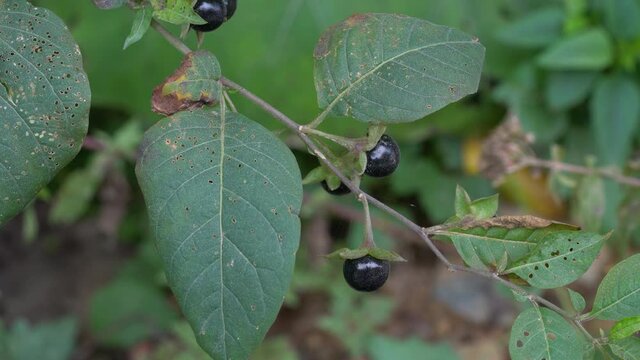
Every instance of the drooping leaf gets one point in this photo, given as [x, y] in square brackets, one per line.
[625, 328]
[386, 348]
[618, 295]
[537, 29]
[615, 114]
[386, 68]
[140, 26]
[44, 102]
[577, 300]
[590, 50]
[176, 12]
[565, 89]
[627, 348]
[223, 195]
[539, 333]
[483, 243]
[195, 83]
[559, 258]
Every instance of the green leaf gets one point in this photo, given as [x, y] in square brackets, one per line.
[384, 254]
[615, 111]
[589, 203]
[128, 311]
[315, 176]
[483, 243]
[577, 300]
[387, 68]
[537, 29]
[626, 349]
[621, 18]
[566, 89]
[140, 26]
[625, 328]
[46, 341]
[462, 202]
[387, 348]
[223, 196]
[618, 295]
[485, 207]
[44, 102]
[589, 50]
[347, 254]
[195, 83]
[539, 333]
[176, 12]
[559, 258]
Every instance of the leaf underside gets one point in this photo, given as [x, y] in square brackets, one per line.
[44, 102]
[223, 197]
[388, 68]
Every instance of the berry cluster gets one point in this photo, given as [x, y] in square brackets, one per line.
[214, 12]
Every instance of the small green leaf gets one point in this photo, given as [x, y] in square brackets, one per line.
[566, 89]
[176, 12]
[618, 295]
[194, 84]
[615, 114]
[348, 254]
[627, 348]
[589, 203]
[51, 340]
[44, 102]
[590, 50]
[559, 258]
[315, 176]
[625, 328]
[223, 196]
[386, 348]
[485, 207]
[577, 301]
[622, 18]
[483, 243]
[141, 24]
[539, 333]
[537, 29]
[388, 68]
[374, 133]
[462, 202]
[384, 254]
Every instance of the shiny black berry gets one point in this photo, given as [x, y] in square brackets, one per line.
[384, 158]
[366, 273]
[340, 190]
[214, 12]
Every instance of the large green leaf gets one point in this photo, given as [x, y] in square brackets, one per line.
[559, 258]
[615, 113]
[565, 89]
[590, 50]
[618, 295]
[625, 328]
[539, 333]
[223, 196]
[44, 102]
[484, 243]
[621, 17]
[386, 68]
[626, 349]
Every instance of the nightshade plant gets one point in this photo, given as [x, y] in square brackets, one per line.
[223, 193]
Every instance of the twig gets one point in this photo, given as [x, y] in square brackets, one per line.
[423, 233]
[577, 169]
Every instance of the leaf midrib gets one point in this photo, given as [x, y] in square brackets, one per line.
[222, 236]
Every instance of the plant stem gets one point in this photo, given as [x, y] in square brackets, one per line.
[421, 232]
[577, 169]
[368, 229]
[227, 98]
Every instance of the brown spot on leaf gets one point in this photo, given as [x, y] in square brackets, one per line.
[512, 222]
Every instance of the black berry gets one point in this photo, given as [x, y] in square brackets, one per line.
[384, 158]
[340, 190]
[366, 273]
[214, 12]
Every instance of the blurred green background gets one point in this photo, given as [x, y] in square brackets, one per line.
[79, 276]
